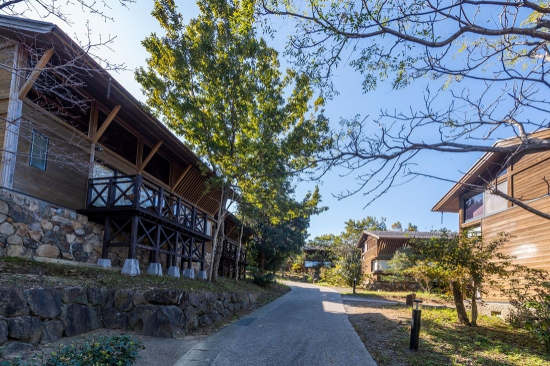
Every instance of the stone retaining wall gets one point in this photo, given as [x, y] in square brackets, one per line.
[31, 228]
[47, 314]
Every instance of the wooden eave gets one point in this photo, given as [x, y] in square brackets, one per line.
[450, 201]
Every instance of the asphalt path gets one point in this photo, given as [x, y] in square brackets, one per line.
[307, 326]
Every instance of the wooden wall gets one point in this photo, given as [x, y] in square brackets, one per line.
[530, 234]
[66, 177]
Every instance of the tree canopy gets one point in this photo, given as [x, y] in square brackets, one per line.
[485, 63]
[220, 88]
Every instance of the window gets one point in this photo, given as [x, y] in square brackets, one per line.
[485, 203]
[39, 150]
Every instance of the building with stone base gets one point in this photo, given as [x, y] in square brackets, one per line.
[86, 173]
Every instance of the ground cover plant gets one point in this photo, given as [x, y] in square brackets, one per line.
[25, 273]
[385, 330]
[121, 350]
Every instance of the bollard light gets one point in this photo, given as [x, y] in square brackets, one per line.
[415, 325]
[354, 284]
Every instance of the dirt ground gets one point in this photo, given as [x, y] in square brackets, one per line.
[384, 328]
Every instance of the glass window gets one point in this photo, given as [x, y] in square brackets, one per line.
[494, 203]
[39, 150]
[473, 207]
[485, 203]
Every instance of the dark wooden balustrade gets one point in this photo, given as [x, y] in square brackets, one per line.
[135, 192]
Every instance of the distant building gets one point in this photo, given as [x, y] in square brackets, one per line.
[378, 247]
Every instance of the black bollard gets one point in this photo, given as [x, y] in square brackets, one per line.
[415, 326]
[354, 284]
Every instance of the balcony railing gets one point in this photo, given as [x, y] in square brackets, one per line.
[132, 191]
[230, 252]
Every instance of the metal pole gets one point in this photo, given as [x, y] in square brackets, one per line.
[415, 330]
[354, 284]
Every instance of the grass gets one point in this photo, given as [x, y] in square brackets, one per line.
[23, 273]
[445, 342]
[424, 296]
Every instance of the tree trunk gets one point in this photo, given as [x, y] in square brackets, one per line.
[459, 303]
[474, 305]
[238, 254]
[217, 245]
[262, 264]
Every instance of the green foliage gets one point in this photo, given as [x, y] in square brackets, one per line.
[116, 350]
[462, 261]
[529, 293]
[262, 279]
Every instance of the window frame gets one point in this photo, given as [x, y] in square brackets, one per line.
[485, 213]
[32, 157]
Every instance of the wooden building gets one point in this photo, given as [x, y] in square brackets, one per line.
[524, 176]
[72, 138]
[316, 257]
[378, 247]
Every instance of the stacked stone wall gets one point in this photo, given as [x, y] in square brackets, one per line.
[31, 228]
[46, 314]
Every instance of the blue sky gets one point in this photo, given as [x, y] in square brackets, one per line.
[410, 202]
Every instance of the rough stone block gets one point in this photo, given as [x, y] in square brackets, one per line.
[165, 322]
[25, 329]
[164, 296]
[139, 315]
[53, 330]
[11, 303]
[48, 251]
[7, 229]
[45, 303]
[95, 297]
[191, 319]
[114, 319]
[123, 300]
[15, 348]
[75, 295]
[3, 331]
[78, 319]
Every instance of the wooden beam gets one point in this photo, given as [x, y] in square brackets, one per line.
[35, 73]
[105, 124]
[181, 177]
[150, 156]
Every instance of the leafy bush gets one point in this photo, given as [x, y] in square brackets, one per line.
[262, 280]
[530, 296]
[116, 350]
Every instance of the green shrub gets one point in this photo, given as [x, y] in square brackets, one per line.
[116, 350]
[262, 280]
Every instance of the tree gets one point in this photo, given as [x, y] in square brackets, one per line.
[396, 226]
[347, 263]
[405, 264]
[465, 261]
[220, 88]
[486, 62]
[273, 243]
[412, 227]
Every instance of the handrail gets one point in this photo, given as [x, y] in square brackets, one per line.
[133, 191]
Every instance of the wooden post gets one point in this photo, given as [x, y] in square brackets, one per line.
[193, 218]
[161, 201]
[133, 238]
[203, 255]
[13, 118]
[137, 191]
[191, 251]
[157, 244]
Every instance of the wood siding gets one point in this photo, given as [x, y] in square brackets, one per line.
[529, 234]
[65, 180]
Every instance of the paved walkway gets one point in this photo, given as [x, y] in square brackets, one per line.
[307, 326]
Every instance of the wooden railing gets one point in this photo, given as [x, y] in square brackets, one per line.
[133, 191]
[230, 252]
